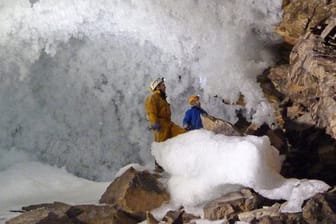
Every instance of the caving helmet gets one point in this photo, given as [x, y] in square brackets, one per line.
[192, 99]
[155, 83]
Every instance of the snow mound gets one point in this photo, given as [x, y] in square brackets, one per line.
[204, 165]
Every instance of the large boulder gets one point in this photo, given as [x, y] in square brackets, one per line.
[135, 192]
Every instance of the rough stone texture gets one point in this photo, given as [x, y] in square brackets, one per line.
[278, 77]
[312, 81]
[219, 126]
[249, 216]
[57, 213]
[292, 218]
[38, 213]
[318, 210]
[93, 214]
[54, 205]
[135, 192]
[270, 215]
[301, 15]
[228, 206]
[173, 217]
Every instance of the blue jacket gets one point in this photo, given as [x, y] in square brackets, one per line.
[192, 118]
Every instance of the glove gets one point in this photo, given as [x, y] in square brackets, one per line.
[156, 127]
[186, 127]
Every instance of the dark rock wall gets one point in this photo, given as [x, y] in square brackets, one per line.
[306, 84]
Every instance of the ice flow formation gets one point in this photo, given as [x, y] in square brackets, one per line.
[74, 74]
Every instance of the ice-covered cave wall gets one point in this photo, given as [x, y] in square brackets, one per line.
[74, 74]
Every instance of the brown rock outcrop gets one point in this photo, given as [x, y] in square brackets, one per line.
[301, 15]
[308, 108]
[135, 192]
[312, 80]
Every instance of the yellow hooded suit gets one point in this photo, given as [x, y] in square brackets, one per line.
[158, 112]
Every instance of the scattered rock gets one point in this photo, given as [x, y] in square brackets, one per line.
[57, 212]
[229, 205]
[107, 214]
[135, 192]
[249, 216]
[179, 217]
[41, 213]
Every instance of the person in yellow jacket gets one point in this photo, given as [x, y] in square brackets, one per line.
[159, 113]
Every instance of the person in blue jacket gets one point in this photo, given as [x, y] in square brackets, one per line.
[192, 118]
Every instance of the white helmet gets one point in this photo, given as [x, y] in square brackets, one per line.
[156, 82]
